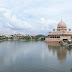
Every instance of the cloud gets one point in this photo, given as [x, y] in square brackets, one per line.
[19, 24]
[42, 19]
[48, 24]
[24, 15]
[11, 21]
[43, 11]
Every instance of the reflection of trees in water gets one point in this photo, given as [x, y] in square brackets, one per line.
[59, 50]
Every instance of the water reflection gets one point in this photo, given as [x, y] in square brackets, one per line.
[61, 51]
[16, 56]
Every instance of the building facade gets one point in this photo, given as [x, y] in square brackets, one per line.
[59, 34]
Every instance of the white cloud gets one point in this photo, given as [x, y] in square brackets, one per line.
[47, 23]
[19, 24]
[52, 21]
[11, 21]
[44, 10]
[42, 19]
[48, 10]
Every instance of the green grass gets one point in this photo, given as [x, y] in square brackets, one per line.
[66, 41]
[1, 39]
[71, 70]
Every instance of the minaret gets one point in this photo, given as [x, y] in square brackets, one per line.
[61, 18]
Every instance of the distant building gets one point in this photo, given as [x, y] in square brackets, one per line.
[7, 35]
[60, 34]
[18, 36]
[2, 35]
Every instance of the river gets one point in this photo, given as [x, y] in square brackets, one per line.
[19, 56]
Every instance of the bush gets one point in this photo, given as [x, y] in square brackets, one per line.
[43, 39]
[27, 38]
[71, 69]
[68, 42]
[1, 39]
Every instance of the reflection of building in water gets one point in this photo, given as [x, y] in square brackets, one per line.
[60, 51]
[60, 34]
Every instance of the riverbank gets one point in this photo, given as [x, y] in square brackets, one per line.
[21, 40]
[66, 43]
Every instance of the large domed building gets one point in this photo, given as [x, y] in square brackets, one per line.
[60, 33]
[61, 26]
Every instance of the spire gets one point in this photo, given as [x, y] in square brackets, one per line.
[61, 18]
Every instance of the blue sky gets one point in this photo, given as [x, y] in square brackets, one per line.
[33, 16]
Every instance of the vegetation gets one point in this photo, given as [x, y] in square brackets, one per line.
[66, 41]
[40, 36]
[26, 38]
[71, 69]
[1, 39]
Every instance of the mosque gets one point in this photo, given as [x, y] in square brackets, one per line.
[59, 34]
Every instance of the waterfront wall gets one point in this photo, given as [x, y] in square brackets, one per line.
[57, 39]
[52, 40]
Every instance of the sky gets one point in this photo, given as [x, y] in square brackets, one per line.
[33, 16]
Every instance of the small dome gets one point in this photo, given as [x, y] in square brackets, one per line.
[61, 24]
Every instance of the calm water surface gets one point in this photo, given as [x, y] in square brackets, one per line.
[38, 56]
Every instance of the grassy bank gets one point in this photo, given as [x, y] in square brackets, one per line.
[66, 41]
[24, 39]
[71, 70]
